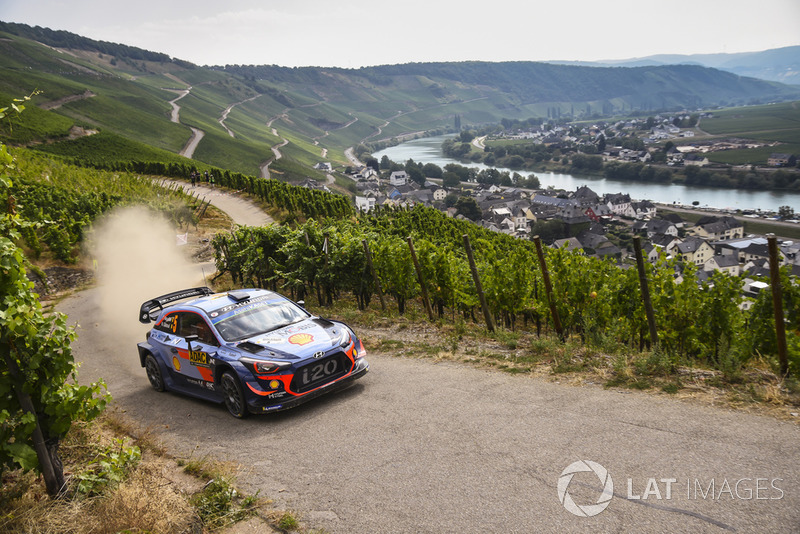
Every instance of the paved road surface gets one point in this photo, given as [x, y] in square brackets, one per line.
[420, 446]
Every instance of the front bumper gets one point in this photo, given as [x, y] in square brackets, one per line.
[266, 405]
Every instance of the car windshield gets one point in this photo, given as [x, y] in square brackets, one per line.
[265, 318]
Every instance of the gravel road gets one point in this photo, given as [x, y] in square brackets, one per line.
[425, 446]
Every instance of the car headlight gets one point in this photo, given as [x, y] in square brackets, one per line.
[344, 338]
[264, 367]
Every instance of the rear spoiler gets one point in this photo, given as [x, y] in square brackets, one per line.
[160, 302]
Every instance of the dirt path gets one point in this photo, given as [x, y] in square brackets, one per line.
[55, 104]
[227, 111]
[191, 146]
[242, 210]
[275, 148]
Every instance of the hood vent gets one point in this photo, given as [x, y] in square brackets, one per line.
[253, 348]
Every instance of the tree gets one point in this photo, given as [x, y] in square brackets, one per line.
[450, 179]
[372, 162]
[386, 163]
[786, 212]
[468, 207]
[466, 136]
[39, 395]
[601, 143]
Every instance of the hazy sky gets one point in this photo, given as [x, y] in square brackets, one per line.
[355, 33]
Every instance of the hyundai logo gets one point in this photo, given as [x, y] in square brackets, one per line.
[318, 355]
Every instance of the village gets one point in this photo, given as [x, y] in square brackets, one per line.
[583, 221]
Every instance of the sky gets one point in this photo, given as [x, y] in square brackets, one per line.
[356, 33]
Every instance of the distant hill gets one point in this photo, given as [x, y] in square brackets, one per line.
[516, 85]
[245, 110]
[777, 65]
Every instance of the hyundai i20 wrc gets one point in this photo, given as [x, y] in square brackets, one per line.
[254, 350]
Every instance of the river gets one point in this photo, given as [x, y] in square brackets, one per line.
[429, 150]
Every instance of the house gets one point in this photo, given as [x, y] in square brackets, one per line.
[643, 210]
[520, 217]
[779, 160]
[618, 203]
[757, 251]
[694, 159]
[667, 242]
[585, 196]
[310, 183]
[718, 228]
[655, 227]
[727, 263]
[398, 178]
[600, 245]
[439, 194]
[652, 252]
[570, 243]
[695, 250]
[323, 166]
[675, 219]
[365, 203]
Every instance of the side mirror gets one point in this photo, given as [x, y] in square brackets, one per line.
[189, 339]
[301, 303]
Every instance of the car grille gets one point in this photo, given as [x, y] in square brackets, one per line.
[320, 372]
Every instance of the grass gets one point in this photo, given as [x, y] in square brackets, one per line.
[753, 388]
[149, 497]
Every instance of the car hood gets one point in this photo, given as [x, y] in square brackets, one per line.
[298, 341]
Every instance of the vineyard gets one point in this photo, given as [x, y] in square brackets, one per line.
[64, 200]
[598, 303]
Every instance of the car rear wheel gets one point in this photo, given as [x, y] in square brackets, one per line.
[233, 396]
[154, 373]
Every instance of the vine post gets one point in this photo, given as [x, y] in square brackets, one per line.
[648, 304]
[777, 304]
[368, 255]
[421, 281]
[548, 287]
[478, 287]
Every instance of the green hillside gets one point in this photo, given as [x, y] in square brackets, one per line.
[126, 92]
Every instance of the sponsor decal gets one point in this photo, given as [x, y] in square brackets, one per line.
[269, 340]
[176, 363]
[276, 395]
[197, 357]
[201, 383]
[300, 339]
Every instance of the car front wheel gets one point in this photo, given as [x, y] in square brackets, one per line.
[154, 373]
[233, 396]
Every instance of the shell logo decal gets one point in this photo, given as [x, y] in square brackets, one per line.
[300, 339]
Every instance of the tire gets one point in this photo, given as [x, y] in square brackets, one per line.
[154, 373]
[233, 396]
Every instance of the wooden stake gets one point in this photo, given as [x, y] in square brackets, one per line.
[374, 274]
[777, 304]
[421, 281]
[648, 304]
[548, 288]
[486, 315]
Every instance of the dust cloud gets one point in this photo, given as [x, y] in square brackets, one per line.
[137, 259]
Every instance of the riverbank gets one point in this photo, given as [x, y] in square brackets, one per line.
[429, 150]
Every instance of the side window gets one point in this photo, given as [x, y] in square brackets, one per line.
[192, 323]
[168, 324]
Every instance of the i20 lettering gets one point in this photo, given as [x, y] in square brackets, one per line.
[319, 371]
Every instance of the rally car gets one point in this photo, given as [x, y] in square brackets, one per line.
[251, 349]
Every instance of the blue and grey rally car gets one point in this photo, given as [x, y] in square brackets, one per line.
[252, 349]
